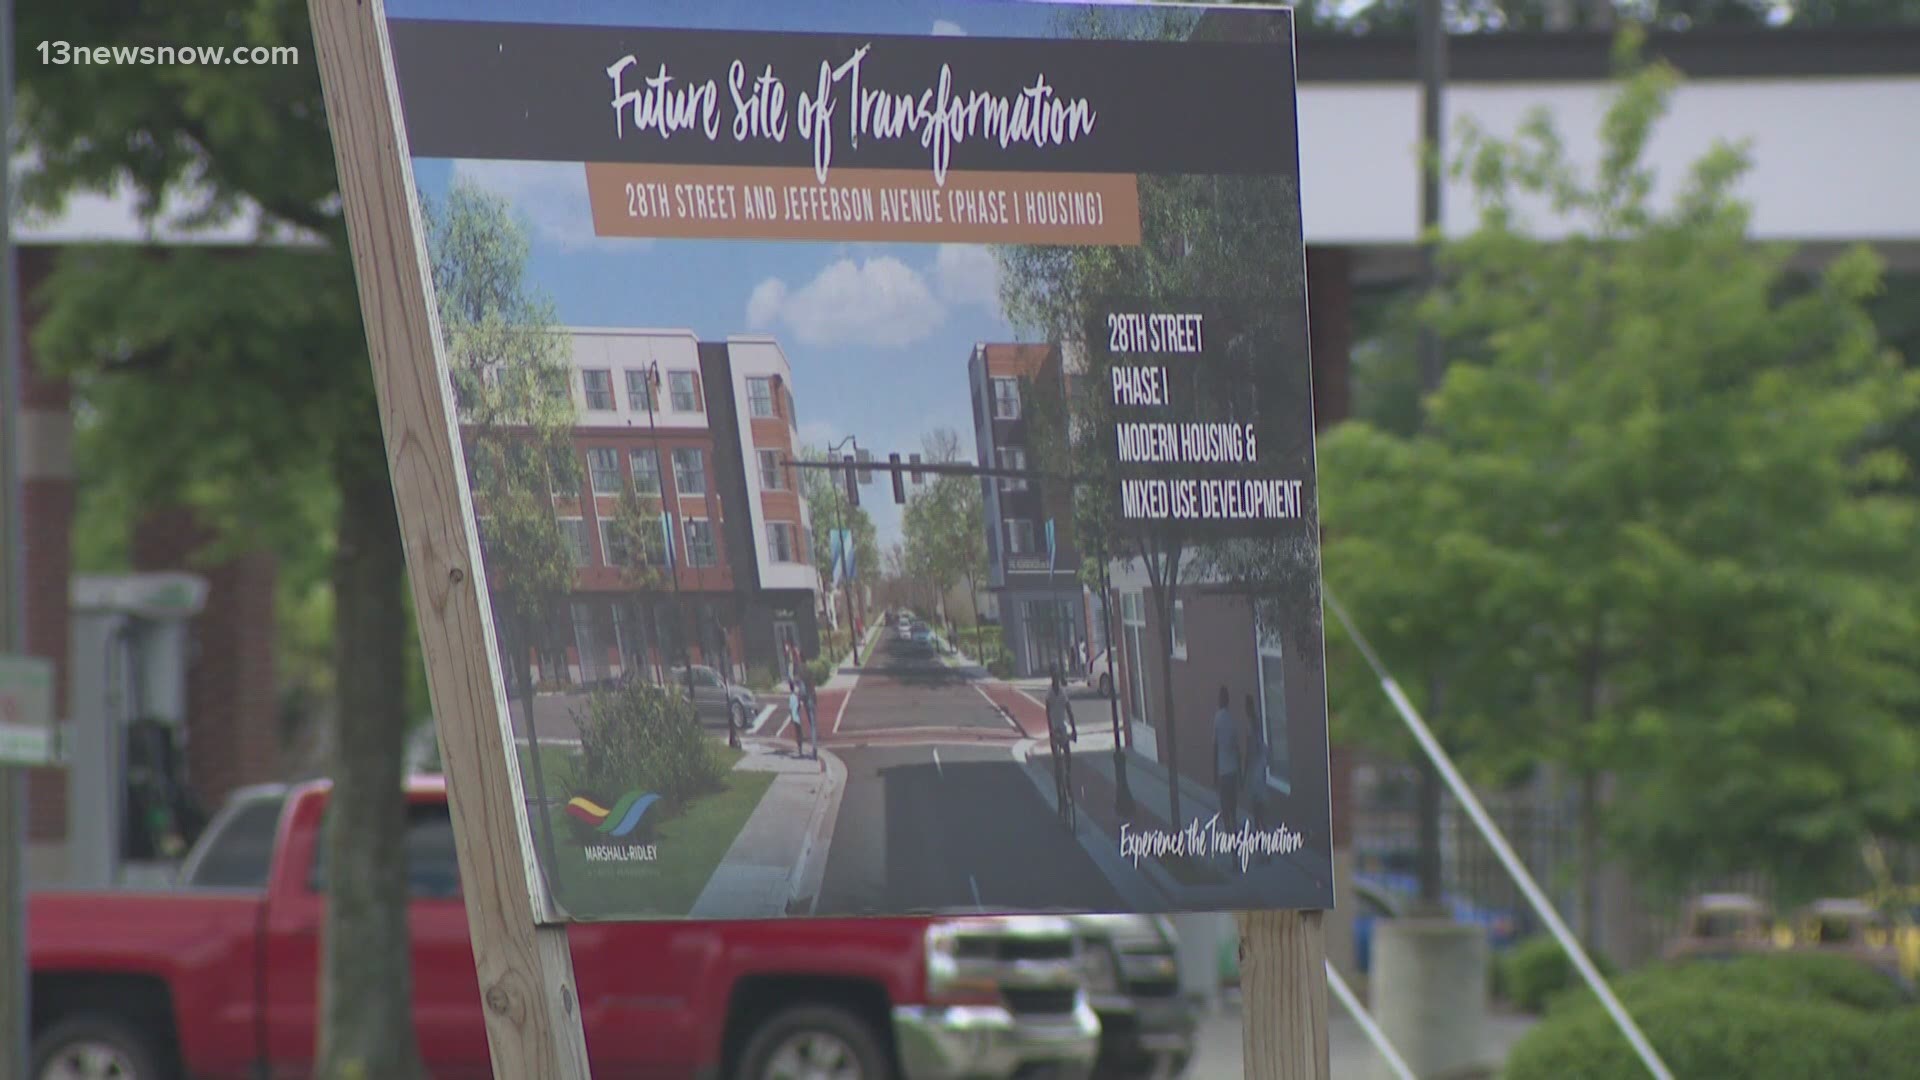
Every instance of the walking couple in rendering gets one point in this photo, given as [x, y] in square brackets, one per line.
[1240, 762]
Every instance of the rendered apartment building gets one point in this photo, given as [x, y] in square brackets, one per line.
[698, 434]
[1043, 612]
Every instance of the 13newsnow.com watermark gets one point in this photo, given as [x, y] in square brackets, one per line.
[65, 53]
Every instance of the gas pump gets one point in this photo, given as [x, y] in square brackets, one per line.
[128, 811]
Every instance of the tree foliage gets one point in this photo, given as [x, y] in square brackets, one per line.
[945, 542]
[238, 381]
[1650, 530]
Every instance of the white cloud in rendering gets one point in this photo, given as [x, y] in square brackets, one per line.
[551, 196]
[967, 274]
[879, 302]
[948, 28]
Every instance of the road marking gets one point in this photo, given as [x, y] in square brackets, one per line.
[760, 721]
[937, 767]
[998, 708]
[844, 700]
[973, 881]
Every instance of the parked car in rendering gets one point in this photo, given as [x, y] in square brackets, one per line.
[217, 978]
[714, 698]
[1099, 675]
[1132, 975]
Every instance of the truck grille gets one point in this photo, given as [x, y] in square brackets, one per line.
[1012, 949]
[1155, 988]
[1049, 1002]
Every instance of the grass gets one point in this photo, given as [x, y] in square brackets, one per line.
[690, 844]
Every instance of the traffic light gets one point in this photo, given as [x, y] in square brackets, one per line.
[899, 479]
[853, 486]
[915, 458]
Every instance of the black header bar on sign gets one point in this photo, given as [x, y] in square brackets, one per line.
[544, 93]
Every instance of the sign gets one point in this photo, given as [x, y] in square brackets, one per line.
[26, 711]
[891, 222]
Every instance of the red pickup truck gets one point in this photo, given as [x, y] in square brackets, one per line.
[216, 979]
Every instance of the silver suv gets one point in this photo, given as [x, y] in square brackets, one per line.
[1004, 998]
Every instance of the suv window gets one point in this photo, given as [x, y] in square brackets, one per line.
[433, 871]
[237, 853]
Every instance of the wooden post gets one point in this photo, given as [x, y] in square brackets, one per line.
[1283, 995]
[525, 970]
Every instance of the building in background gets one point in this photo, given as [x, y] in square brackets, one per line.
[696, 435]
[1043, 612]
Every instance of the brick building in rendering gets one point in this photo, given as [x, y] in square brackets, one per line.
[700, 433]
[1042, 608]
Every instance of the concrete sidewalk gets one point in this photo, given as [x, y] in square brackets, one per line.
[775, 865]
[1221, 1056]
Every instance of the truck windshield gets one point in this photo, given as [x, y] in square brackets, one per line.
[237, 851]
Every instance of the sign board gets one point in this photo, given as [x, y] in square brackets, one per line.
[26, 711]
[807, 217]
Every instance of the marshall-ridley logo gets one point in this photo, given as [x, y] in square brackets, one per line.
[615, 824]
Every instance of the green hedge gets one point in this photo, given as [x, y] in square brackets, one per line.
[1530, 974]
[1783, 976]
[1773, 1016]
[1705, 1034]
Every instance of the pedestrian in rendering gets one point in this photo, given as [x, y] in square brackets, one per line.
[1257, 759]
[1226, 759]
[1062, 730]
[794, 710]
[810, 702]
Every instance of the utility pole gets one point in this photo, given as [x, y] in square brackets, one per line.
[1432, 46]
[13, 615]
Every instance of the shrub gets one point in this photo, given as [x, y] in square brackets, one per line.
[822, 669]
[1823, 978]
[1898, 1038]
[1533, 972]
[642, 736]
[1704, 1033]
[1001, 666]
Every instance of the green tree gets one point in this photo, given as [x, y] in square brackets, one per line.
[238, 382]
[827, 508]
[945, 538]
[1650, 483]
[508, 365]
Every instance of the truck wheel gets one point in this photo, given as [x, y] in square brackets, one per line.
[93, 1046]
[814, 1041]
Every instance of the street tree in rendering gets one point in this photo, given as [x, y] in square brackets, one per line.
[828, 509]
[512, 386]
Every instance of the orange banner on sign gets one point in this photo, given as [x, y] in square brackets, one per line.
[892, 205]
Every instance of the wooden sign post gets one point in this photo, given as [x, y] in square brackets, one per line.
[1283, 995]
[1127, 174]
[525, 969]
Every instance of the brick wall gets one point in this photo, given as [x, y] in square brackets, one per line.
[232, 736]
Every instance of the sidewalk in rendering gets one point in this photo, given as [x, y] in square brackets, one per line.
[1150, 784]
[776, 863]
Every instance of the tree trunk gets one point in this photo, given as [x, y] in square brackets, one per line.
[1427, 862]
[366, 1018]
[1163, 595]
[1589, 813]
[1427, 811]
